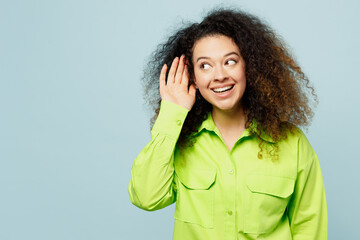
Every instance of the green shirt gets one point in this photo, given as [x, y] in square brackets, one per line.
[222, 194]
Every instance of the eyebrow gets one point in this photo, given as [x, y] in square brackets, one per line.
[228, 54]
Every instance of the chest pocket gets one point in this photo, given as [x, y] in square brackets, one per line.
[266, 201]
[195, 196]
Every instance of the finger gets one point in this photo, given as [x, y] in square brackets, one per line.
[185, 78]
[162, 76]
[180, 70]
[172, 71]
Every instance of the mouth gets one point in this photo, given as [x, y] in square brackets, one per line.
[222, 89]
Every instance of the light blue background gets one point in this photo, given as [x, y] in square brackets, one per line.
[72, 117]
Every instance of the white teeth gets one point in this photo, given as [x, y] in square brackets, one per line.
[223, 89]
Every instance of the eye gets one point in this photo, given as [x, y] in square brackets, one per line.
[205, 66]
[230, 62]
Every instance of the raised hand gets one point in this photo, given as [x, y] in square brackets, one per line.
[175, 89]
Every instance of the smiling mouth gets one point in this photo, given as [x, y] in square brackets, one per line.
[223, 89]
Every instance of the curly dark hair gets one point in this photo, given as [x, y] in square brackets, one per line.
[278, 94]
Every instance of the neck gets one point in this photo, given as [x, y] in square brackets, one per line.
[229, 119]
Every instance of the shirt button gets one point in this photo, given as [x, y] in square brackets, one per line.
[230, 212]
[178, 122]
[231, 171]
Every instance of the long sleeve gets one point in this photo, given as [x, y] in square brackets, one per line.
[151, 186]
[307, 209]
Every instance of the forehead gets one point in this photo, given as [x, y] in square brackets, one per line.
[214, 46]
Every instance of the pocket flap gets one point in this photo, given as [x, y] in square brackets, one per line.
[276, 186]
[197, 178]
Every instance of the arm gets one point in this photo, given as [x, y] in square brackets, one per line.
[307, 209]
[151, 186]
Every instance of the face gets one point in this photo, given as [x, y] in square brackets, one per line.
[219, 71]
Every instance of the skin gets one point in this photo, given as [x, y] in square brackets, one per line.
[175, 89]
[217, 64]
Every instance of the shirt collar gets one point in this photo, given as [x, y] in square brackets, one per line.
[209, 125]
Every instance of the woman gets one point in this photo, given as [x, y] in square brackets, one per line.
[225, 144]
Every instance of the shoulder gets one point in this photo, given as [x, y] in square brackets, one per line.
[300, 145]
[294, 135]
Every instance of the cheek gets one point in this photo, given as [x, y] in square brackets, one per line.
[240, 76]
[201, 80]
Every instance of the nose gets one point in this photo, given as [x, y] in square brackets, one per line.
[220, 73]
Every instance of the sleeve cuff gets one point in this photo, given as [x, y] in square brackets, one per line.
[170, 120]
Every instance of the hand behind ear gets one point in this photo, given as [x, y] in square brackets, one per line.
[176, 89]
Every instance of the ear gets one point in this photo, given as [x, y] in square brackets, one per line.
[194, 80]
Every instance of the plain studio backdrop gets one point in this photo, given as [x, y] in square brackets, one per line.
[73, 120]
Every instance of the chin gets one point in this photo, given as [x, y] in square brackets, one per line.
[226, 107]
